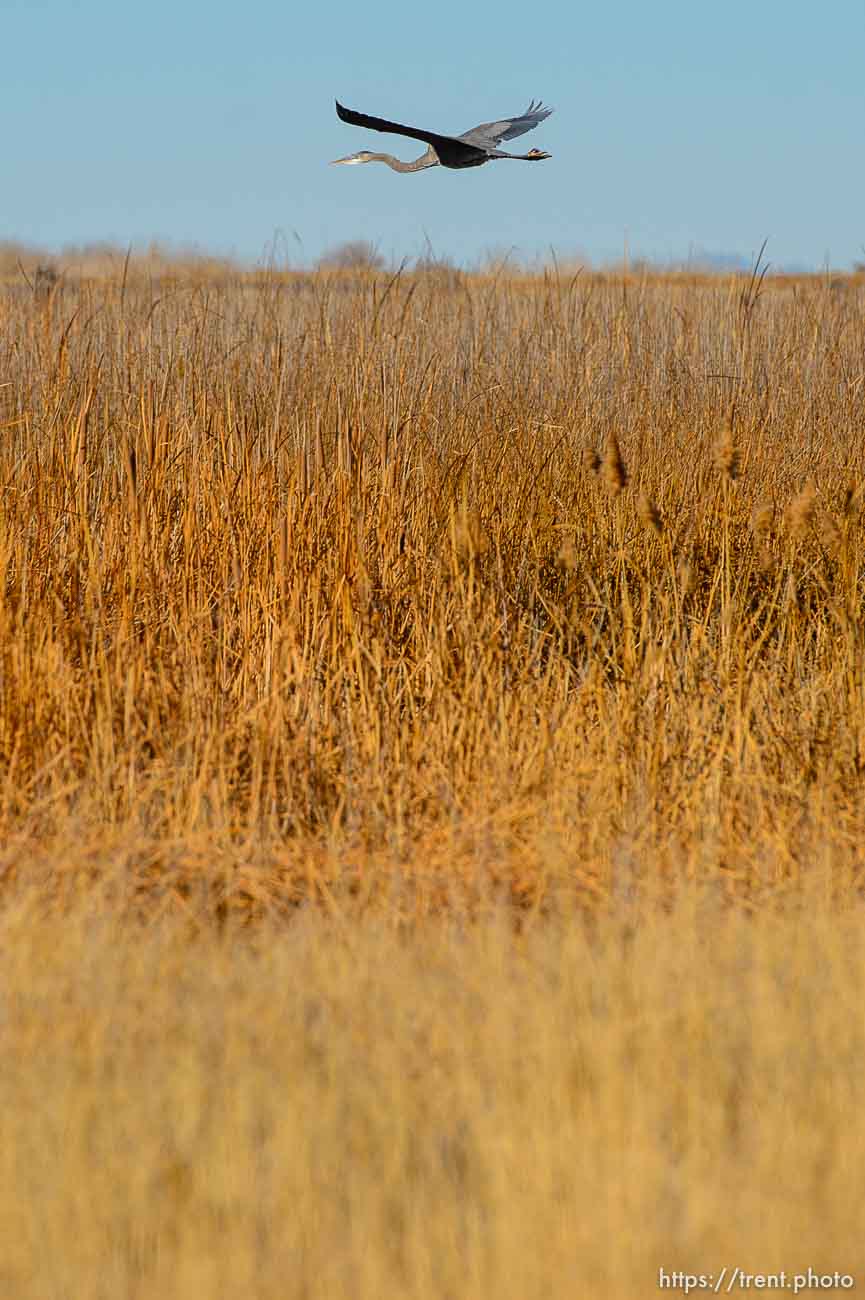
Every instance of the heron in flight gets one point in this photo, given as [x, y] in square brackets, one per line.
[472, 149]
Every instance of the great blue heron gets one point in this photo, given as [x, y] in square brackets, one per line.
[476, 147]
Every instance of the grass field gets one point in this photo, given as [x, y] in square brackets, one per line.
[432, 782]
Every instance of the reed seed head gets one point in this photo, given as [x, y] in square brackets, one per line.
[800, 512]
[470, 535]
[613, 469]
[726, 452]
[853, 498]
[830, 533]
[763, 517]
[591, 460]
[790, 599]
[567, 556]
[650, 516]
[766, 560]
[687, 572]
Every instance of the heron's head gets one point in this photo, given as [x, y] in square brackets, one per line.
[363, 156]
[537, 154]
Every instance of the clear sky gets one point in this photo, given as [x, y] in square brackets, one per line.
[677, 126]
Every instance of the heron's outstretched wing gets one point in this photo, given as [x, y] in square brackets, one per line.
[490, 134]
[392, 128]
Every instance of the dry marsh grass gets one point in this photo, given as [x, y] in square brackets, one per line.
[329, 582]
[334, 1110]
[432, 751]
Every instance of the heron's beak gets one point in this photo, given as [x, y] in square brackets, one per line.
[352, 158]
[537, 154]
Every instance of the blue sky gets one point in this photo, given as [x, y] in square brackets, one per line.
[678, 126]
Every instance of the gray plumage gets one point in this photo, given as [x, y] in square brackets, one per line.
[489, 135]
[472, 149]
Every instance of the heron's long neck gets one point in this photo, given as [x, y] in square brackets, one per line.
[428, 159]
